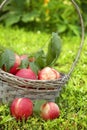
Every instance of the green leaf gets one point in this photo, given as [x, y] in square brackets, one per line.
[11, 18]
[29, 16]
[54, 49]
[24, 63]
[74, 29]
[40, 59]
[7, 58]
[34, 67]
[37, 105]
[62, 28]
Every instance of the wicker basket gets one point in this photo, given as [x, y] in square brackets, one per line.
[12, 86]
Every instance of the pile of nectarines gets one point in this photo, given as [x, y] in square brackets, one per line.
[46, 73]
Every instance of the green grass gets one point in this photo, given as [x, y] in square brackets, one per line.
[73, 98]
[22, 41]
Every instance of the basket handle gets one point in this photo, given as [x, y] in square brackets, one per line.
[82, 33]
[3, 3]
[82, 38]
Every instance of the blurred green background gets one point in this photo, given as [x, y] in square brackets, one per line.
[44, 15]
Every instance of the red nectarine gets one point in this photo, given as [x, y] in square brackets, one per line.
[49, 111]
[26, 73]
[21, 108]
[17, 63]
[48, 73]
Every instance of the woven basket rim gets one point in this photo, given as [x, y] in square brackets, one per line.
[6, 74]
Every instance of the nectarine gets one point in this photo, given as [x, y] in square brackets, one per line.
[21, 108]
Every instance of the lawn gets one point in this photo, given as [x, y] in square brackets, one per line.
[72, 100]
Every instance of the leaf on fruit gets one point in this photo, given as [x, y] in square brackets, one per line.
[54, 49]
[40, 59]
[34, 67]
[7, 58]
[24, 63]
[37, 105]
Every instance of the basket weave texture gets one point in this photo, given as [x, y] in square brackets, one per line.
[12, 86]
